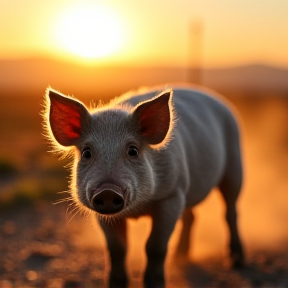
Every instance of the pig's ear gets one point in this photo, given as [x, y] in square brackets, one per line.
[66, 118]
[155, 119]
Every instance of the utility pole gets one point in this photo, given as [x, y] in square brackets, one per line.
[195, 52]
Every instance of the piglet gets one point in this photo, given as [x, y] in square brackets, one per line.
[149, 153]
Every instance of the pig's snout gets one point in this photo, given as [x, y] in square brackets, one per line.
[108, 199]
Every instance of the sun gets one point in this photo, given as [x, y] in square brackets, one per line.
[90, 31]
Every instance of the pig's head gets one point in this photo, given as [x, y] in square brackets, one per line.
[114, 150]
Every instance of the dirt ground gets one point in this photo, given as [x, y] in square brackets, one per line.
[41, 248]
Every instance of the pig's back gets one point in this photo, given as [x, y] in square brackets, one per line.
[194, 162]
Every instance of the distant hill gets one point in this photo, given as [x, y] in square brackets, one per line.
[248, 79]
[32, 76]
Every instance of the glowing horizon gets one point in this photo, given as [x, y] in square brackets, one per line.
[146, 32]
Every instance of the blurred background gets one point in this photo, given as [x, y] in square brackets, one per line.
[100, 49]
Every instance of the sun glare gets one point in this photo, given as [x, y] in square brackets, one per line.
[90, 31]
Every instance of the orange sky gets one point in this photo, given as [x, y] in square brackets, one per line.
[147, 32]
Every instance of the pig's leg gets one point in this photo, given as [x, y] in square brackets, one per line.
[164, 216]
[230, 187]
[116, 238]
[184, 241]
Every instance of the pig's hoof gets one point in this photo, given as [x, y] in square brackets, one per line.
[238, 261]
[157, 281]
[118, 282]
[180, 256]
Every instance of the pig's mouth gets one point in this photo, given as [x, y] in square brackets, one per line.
[109, 199]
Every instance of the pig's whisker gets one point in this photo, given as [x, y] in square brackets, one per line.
[62, 192]
[77, 210]
[67, 199]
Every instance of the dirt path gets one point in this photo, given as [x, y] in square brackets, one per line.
[39, 248]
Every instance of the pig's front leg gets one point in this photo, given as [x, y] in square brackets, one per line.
[116, 238]
[164, 214]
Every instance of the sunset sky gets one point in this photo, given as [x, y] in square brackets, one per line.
[147, 32]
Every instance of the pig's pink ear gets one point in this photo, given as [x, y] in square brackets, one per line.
[155, 119]
[66, 118]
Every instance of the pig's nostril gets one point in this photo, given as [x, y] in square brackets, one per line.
[98, 202]
[107, 202]
[117, 202]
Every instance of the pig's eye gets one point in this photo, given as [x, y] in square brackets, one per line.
[86, 153]
[132, 151]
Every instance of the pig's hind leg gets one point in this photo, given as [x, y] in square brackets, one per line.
[184, 240]
[230, 187]
[116, 238]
